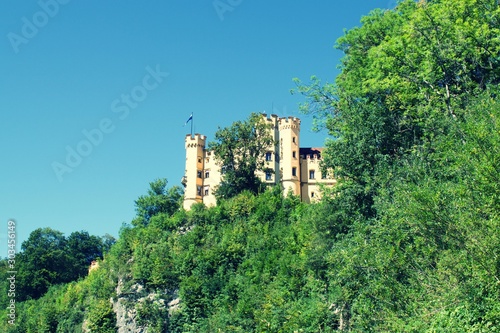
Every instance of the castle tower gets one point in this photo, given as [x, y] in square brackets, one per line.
[193, 176]
[289, 133]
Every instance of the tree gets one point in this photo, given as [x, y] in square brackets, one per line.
[159, 200]
[240, 150]
[84, 248]
[413, 116]
[407, 74]
[48, 258]
[107, 241]
[101, 317]
[44, 261]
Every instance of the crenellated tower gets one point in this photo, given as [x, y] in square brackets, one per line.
[193, 181]
[289, 134]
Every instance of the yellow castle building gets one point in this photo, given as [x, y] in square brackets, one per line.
[296, 169]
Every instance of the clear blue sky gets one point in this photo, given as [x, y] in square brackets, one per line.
[69, 68]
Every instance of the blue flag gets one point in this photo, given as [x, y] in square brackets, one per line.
[189, 119]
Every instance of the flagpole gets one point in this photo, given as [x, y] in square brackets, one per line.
[192, 120]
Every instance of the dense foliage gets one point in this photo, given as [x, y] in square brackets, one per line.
[407, 77]
[65, 307]
[414, 117]
[48, 258]
[159, 200]
[409, 241]
[243, 266]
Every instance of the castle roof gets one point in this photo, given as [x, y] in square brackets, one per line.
[310, 152]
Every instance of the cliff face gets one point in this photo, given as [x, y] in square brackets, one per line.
[135, 307]
[131, 308]
[125, 308]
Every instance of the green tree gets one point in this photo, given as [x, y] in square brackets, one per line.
[101, 317]
[158, 200]
[407, 74]
[44, 261]
[240, 150]
[48, 258]
[107, 241]
[409, 116]
[84, 248]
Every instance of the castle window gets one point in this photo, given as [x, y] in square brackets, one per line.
[311, 174]
[207, 174]
[199, 159]
[269, 156]
[206, 190]
[293, 140]
[199, 173]
[294, 154]
[294, 171]
[198, 190]
[323, 175]
[269, 176]
[312, 194]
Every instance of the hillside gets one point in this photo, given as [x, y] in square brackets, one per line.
[249, 264]
[408, 241]
[272, 264]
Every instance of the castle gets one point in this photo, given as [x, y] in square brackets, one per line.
[296, 169]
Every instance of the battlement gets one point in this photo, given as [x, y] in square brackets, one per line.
[196, 137]
[272, 119]
[289, 122]
[195, 141]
